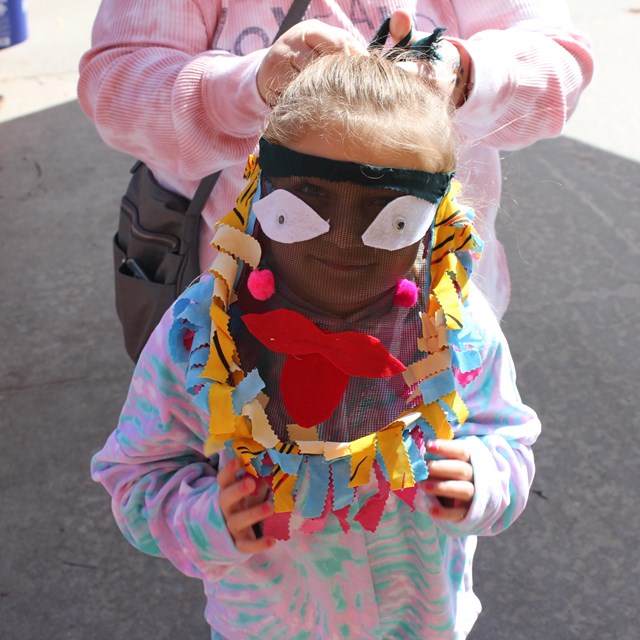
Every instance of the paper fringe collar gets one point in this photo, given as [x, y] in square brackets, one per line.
[311, 478]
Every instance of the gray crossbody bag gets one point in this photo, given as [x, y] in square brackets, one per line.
[156, 247]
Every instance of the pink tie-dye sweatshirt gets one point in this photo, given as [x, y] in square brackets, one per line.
[411, 578]
[172, 82]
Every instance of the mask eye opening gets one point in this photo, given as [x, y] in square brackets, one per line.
[285, 218]
[400, 223]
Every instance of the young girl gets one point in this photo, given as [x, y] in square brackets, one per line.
[319, 429]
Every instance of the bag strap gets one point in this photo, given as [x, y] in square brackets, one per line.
[294, 15]
[202, 194]
[200, 197]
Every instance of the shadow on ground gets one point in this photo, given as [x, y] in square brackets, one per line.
[566, 570]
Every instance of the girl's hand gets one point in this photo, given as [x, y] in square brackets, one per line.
[243, 502]
[295, 49]
[452, 74]
[450, 479]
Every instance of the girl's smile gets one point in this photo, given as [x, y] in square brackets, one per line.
[340, 266]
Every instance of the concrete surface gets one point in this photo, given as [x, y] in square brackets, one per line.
[568, 569]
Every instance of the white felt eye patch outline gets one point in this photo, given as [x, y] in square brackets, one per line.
[285, 218]
[401, 223]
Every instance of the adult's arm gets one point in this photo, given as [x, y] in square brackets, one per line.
[155, 89]
[530, 65]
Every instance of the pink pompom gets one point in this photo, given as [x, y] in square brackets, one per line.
[406, 293]
[261, 284]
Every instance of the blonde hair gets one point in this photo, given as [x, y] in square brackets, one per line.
[369, 99]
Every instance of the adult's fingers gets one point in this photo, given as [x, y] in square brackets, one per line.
[400, 25]
[295, 49]
[324, 38]
[314, 38]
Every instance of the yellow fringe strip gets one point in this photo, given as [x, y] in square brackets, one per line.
[396, 459]
[437, 419]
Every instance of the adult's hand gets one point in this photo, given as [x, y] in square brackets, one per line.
[295, 49]
[452, 73]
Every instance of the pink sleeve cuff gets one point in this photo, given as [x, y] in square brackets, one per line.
[494, 83]
[230, 93]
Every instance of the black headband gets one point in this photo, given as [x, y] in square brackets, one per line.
[276, 161]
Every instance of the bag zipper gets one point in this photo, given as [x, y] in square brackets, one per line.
[146, 236]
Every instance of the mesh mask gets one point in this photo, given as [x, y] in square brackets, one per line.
[332, 317]
[342, 285]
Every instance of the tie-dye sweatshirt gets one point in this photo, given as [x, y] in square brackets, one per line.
[411, 578]
[172, 82]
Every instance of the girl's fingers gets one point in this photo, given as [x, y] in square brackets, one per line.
[454, 449]
[231, 496]
[240, 524]
[227, 474]
[243, 502]
[255, 545]
[261, 492]
[450, 514]
[450, 470]
[451, 489]
[450, 480]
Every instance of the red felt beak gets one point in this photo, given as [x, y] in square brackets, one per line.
[319, 364]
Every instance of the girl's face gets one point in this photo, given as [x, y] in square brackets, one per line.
[336, 271]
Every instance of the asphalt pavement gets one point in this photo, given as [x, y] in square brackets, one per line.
[569, 569]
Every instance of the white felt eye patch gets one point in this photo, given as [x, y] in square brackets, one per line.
[401, 223]
[285, 218]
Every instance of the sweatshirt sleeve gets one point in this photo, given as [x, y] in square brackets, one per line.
[155, 89]
[164, 490]
[500, 433]
[530, 66]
